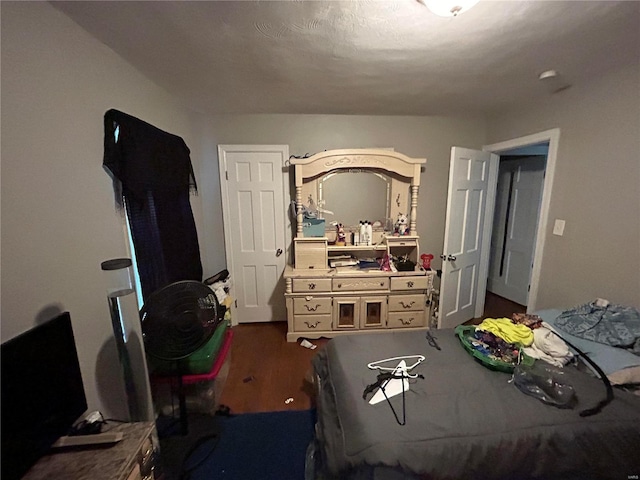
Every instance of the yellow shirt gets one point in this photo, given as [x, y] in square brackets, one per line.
[508, 331]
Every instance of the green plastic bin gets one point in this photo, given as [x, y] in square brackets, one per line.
[463, 332]
[198, 362]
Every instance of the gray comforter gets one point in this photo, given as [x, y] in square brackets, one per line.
[463, 420]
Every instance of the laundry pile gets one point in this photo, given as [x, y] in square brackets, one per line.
[504, 339]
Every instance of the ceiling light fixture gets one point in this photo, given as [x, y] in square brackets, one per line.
[553, 81]
[448, 8]
[548, 74]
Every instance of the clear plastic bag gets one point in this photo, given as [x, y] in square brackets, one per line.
[546, 383]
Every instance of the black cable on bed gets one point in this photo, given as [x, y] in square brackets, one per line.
[381, 381]
[602, 403]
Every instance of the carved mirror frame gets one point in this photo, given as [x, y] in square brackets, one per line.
[405, 169]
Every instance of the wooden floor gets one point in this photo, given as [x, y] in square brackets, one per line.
[265, 370]
[498, 307]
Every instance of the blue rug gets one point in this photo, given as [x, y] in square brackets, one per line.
[252, 446]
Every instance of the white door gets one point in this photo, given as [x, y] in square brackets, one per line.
[471, 175]
[515, 224]
[252, 179]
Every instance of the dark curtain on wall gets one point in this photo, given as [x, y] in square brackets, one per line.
[153, 176]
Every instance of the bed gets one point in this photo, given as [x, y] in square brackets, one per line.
[463, 421]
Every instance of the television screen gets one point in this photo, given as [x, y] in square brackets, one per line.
[42, 393]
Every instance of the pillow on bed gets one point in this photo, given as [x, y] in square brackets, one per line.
[625, 376]
[612, 360]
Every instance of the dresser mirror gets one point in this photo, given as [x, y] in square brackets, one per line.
[355, 194]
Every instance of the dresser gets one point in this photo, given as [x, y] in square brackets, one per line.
[327, 292]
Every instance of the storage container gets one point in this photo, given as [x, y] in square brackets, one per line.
[465, 334]
[313, 227]
[199, 362]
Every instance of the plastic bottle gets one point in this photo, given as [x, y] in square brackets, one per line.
[369, 233]
[363, 234]
[366, 234]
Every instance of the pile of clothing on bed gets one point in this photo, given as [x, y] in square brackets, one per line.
[607, 333]
[501, 335]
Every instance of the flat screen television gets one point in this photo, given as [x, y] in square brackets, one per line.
[42, 393]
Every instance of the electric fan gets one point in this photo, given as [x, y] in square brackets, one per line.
[177, 320]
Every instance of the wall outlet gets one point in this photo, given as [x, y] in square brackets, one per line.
[558, 227]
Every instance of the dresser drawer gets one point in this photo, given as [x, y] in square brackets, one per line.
[422, 282]
[311, 305]
[311, 285]
[360, 284]
[312, 323]
[407, 303]
[406, 319]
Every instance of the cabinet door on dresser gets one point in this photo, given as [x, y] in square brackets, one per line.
[346, 313]
[373, 312]
[353, 313]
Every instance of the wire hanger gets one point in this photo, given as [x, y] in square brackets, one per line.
[377, 365]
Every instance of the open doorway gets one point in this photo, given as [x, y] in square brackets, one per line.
[519, 188]
[471, 201]
[518, 216]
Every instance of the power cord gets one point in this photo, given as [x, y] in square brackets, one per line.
[187, 468]
[91, 425]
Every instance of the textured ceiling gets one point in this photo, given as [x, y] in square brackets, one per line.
[362, 57]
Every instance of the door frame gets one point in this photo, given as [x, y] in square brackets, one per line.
[553, 137]
[224, 193]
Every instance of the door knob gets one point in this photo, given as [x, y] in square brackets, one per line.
[278, 252]
[451, 258]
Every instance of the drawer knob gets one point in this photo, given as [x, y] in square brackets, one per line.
[311, 325]
[406, 322]
[339, 285]
[312, 309]
[410, 284]
[407, 305]
[312, 286]
[382, 284]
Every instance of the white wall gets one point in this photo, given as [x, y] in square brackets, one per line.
[596, 189]
[58, 217]
[430, 137]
